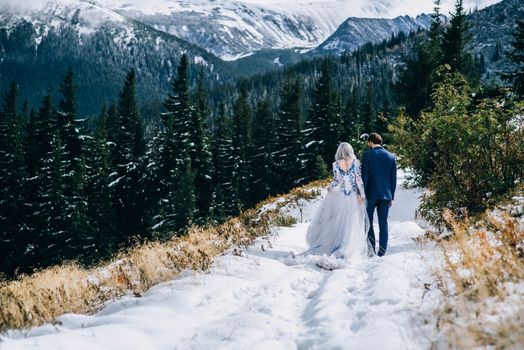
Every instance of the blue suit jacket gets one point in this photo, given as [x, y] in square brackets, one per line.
[379, 173]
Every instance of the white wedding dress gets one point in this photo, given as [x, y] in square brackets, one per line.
[339, 226]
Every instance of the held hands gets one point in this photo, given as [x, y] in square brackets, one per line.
[360, 200]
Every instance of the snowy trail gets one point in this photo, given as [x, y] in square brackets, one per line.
[256, 301]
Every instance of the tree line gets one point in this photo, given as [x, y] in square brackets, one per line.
[460, 139]
[73, 190]
[442, 45]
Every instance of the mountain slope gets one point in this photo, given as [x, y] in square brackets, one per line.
[38, 44]
[491, 35]
[355, 32]
[259, 299]
[234, 28]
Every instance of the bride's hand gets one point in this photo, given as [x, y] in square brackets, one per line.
[360, 200]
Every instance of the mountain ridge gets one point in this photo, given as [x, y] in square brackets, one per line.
[101, 58]
[99, 51]
[355, 31]
[233, 29]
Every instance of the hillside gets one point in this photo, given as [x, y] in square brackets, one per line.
[491, 33]
[355, 32]
[38, 44]
[258, 297]
[232, 29]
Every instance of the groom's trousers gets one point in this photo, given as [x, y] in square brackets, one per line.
[382, 207]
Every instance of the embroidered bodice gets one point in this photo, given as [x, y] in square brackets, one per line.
[348, 181]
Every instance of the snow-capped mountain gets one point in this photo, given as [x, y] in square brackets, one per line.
[232, 29]
[235, 28]
[357, 31]
[88, 20]
[86, 16]
[39, 40]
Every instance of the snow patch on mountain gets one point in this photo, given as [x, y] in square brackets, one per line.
[232, 29]
[356, 31]
[200, 60]
[86, 16]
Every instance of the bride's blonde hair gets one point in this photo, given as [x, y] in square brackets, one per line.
[344, 151]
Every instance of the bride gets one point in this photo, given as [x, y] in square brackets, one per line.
[339, 226]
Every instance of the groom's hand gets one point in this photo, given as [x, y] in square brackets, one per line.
[390, 204]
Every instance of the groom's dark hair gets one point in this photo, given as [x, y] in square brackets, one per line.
[375, 138]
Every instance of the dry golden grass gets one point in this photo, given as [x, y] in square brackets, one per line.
[284, 220]
[42, 296]
[483, 284]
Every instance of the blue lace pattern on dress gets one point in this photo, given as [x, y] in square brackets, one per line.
[348, 181]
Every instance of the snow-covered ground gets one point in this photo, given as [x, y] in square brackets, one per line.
[259, 301]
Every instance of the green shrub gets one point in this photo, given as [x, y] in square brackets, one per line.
[466, 152]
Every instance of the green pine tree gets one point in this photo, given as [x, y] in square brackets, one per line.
[183, 137]
[165, 160]
[24, 118]
[179, 118]
[225, 202]
[263, 162]
[516, 55]
[435, 34]
[351, 121]
[177, 208]
[369, 114]
[287, 153]
[53, 238]
[418, 76]
[127, 166]
[201, 154]
[66, 124]
[39, 137]
[129, 113]
[111, 124]
[324, 122]
[497, 53]
[241, 146]
[75, 167]
[319, 169]
[103, 237]
[41, 127]
[183, 194]
[455, 39]
[12, 181]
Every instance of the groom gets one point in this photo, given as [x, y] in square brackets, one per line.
[379, 173]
